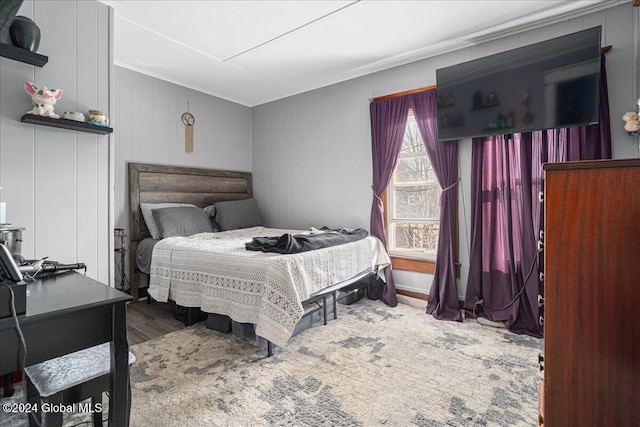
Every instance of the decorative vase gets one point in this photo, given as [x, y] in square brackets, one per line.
[8, 10]
[25, 33]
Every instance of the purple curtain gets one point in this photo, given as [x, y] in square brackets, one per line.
[443, 295]
[388, 123]
[503, 276]
[506, 175]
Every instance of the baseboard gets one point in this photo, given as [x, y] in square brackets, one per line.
[412, 294]
[420, 296]
[412, 302]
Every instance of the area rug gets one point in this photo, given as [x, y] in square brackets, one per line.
[373, 366]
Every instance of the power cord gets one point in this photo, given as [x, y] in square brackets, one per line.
[15, 319]
[14, 314]
[513, 300]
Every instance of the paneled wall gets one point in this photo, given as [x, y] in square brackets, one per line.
[148, 129]
[55, 181]
[312, 156]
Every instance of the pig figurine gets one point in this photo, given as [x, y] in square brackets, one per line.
[44, 100]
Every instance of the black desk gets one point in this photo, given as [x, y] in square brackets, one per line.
[66, 313]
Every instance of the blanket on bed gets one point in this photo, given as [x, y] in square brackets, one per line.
[215, 272]
[295, 243]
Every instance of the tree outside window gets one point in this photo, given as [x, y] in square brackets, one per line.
[413, 200]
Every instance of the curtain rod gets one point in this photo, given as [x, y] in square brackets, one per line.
[604, 49]
[406, 92]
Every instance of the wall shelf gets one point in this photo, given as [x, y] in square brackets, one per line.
[66, 124]
[22, 55]
[485, 106]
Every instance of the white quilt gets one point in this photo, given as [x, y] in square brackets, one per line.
[215, 272]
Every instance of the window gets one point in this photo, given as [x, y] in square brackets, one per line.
[413, 201]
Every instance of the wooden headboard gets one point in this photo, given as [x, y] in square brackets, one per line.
[151, 183]
[177, 184]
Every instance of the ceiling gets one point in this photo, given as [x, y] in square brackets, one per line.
[253, 52]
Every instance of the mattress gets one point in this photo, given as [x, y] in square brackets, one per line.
[215, 272]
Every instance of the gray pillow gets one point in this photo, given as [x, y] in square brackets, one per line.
[234, 214]
[146, 209]
[181, 221]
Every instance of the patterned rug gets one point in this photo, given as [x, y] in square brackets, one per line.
[374, 366]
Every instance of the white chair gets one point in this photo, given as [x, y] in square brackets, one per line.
[70, 379]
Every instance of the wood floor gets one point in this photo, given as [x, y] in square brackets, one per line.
[148, 321]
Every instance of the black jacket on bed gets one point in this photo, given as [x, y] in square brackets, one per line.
[296, 243]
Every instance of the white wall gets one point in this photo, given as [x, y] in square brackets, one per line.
[55, 181]
[312, 156]
[148, 129]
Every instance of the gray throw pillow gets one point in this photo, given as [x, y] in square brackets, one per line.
[146, 209]
[234, 214]
[181, 221]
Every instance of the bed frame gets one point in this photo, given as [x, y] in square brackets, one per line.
[152, 183]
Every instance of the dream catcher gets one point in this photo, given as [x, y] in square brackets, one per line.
[189, 121]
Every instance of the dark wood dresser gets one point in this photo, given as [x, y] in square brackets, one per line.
[592, 294]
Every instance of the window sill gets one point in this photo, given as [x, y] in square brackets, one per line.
[413, 264]
[417, 265]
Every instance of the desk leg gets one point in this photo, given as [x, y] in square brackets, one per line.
[119, 396]
[8, 385]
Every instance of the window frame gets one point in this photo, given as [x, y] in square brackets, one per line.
[404, 261]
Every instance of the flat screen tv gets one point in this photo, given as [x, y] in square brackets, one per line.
[546, 85]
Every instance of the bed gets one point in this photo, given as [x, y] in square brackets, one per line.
[213, 271]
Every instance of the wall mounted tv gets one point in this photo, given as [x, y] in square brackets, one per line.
[546, 85]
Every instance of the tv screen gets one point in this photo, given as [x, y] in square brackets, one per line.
[546, 85]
